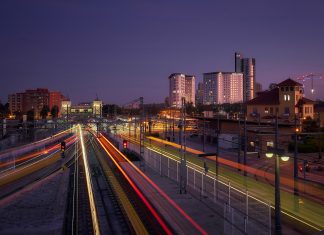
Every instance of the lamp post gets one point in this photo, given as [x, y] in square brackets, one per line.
[245, 144]
[277, 184]
[295, 150]
[279, 154]
[239, 142]
[204, 127]
[319, 137]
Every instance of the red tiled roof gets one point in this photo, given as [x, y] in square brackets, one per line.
[304, 101]
[289, 82]
[266, 98]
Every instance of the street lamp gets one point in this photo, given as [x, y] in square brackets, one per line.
[280, 152]
[275, 151]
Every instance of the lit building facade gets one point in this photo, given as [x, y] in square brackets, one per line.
[210, 84]
[55, 99]
[82, 110]
[222, 87]
[286, 100]
[16, 102]
[200, 94]
[97, 108]
[65, 108]
[247, 67]
[190, 89]
[181, 85]
[34, 100]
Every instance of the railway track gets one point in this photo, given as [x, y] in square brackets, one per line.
[148, 221]
[113, 219]
[78, 218]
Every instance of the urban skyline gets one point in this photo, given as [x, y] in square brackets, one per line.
[52, 45]
[161, 117]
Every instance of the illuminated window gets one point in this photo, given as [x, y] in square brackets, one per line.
[269, 143]
[266, 110]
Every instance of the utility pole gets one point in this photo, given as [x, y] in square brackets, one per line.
[319, 137]
[142, 127]
[277, 183]
[183, 162]
[245, 144]
[135, 136]
[165, 127]
[204, 134]
[173, 138]
[239, 142]
[295, 150]
[217, 144]
[129, 123]
[141, 135]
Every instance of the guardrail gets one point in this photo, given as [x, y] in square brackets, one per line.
[243, 213]
[29, 147]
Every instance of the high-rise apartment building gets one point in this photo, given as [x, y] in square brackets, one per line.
[210, 87]
[55, 99]
[16, 102]
[181, 85]
[247, 67]
[190, 89]
[222, 87]
[34, 100]
[200, 93]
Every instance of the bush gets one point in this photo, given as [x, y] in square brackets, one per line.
[304, 147]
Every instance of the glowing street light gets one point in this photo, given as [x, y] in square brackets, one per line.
[269, 154]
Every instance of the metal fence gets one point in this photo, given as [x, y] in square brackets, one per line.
[243, 213]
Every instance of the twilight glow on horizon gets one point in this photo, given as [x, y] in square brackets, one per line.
[121, 50]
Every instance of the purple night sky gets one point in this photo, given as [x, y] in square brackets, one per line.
[122, 49]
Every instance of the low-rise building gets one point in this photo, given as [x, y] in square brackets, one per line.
[286, 99]
[85, 110]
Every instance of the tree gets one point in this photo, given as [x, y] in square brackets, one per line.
[30, 115]
[190, 109]
[18, 115]
[54, 111]
[4, 110]
[44, 112]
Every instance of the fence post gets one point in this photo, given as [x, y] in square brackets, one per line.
[160, 165]
[202, 184]
[177, 171]
[194, 181]
[187, 174]
[214, 189]
[168, 168]
[245, 224]
[247, 205]
[229, 193]
[270, 218]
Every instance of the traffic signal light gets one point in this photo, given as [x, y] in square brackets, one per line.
[63, 146]
[125, 144]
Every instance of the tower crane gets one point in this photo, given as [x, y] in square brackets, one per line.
[310, 76]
